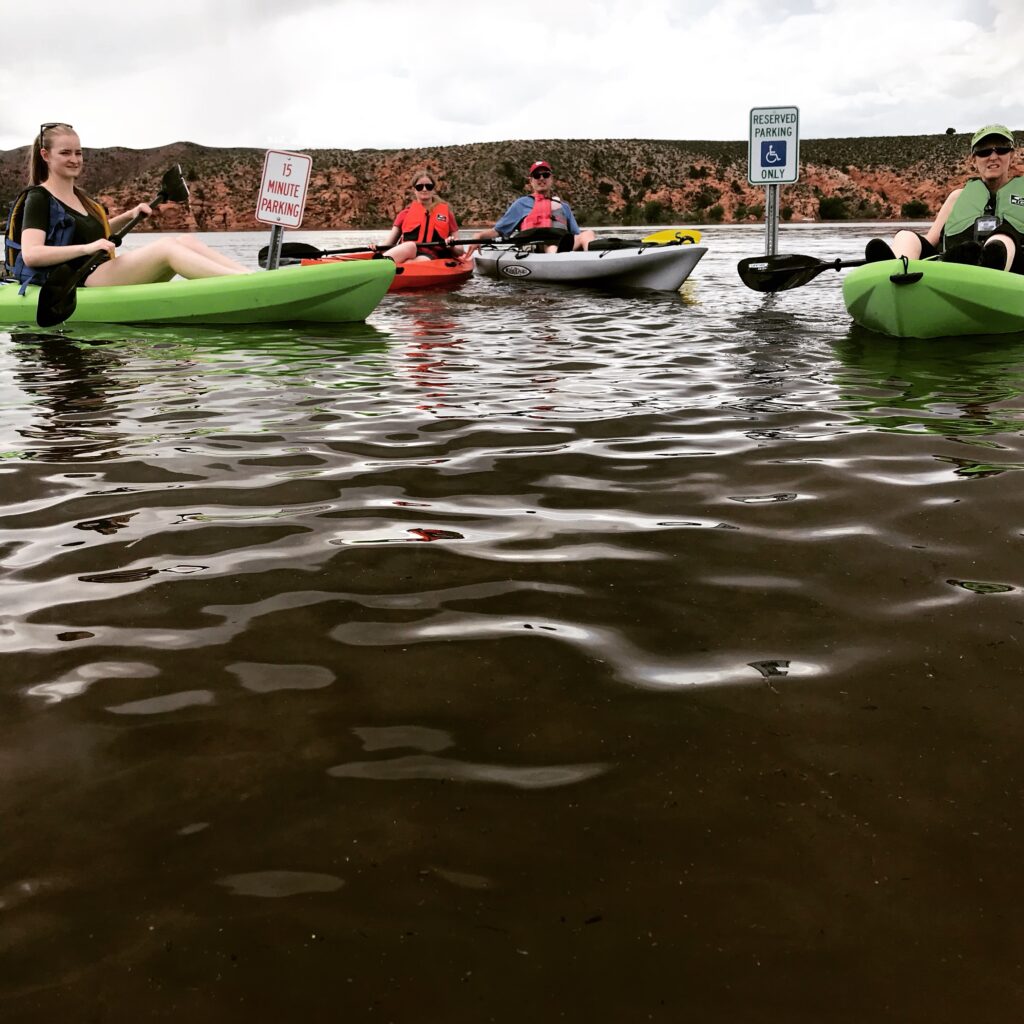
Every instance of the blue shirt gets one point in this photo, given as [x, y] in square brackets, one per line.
[518, 211]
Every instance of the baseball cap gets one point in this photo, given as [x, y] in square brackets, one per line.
[993, 129]
[537, 165]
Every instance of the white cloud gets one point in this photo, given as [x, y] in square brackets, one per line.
[392, 73]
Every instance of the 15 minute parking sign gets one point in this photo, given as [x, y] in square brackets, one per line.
[774, 154]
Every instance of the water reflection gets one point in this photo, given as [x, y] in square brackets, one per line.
[960, 387]
[76, 388]
[539, 639]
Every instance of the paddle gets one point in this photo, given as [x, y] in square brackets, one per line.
[58, 296]
[780, 273]
[302, 251]
[688, 236]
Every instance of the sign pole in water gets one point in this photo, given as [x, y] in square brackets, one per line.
[282, 198]
[773, 159]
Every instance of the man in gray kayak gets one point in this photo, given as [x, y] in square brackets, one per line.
[541, 215]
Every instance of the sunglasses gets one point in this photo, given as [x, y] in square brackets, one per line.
[424, 186]
[989, 150]
[47, 125]
[541, 174]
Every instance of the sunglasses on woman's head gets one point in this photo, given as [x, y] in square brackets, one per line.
[46, 126]
[989, 150]
[424, 186]
[541, 174]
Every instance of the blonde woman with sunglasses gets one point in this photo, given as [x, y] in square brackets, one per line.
[424, 227]
[981, 223]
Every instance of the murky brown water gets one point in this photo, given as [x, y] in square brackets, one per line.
[523, 654]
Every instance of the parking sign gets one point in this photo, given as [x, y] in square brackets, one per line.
[773, 157]
[282, 198]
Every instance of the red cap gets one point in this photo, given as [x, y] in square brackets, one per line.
[537, 165]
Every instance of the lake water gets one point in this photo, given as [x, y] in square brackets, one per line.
[524, 654]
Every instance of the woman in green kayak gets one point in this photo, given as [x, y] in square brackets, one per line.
[981, 223]
[53, 222]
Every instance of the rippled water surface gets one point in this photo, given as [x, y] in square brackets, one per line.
[521, 654]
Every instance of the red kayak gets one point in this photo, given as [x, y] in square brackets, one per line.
[442, 273]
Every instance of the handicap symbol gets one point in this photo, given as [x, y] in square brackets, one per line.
[773, 152]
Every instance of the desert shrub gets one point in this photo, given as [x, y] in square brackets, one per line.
[833, 208]
[654, 212]
[705, 196]
[915, 210]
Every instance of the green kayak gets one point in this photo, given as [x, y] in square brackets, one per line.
[934, 300]
[328, 293]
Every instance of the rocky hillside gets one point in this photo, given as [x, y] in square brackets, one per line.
[617, 181]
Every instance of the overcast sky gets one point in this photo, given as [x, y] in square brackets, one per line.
[349, 74]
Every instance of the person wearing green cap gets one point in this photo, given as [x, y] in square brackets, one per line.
[981, 223]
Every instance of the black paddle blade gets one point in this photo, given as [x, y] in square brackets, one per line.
[173, 186]
[299, 251]
[780, 273]
[57, 298]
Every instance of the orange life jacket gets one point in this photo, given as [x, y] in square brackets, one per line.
[545, 214]
[423, 225]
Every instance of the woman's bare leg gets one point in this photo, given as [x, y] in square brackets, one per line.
[906, 243]
[402, 253]
[1011, 251]
[195, 245]
[160, 261]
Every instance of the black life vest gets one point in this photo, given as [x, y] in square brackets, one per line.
[59, 231]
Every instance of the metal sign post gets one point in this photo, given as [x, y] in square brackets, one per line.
[274, 248]
[773, 159]
[282, 198]
[771, 220]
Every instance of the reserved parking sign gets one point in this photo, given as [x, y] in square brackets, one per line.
[774, 154]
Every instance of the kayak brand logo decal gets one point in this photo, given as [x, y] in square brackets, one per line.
[516, 270]
[1017, 200]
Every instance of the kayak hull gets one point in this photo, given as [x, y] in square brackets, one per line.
[416, 274]
[930, 299]
[335, 293]
[657, 268]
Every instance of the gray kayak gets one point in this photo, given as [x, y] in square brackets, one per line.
[661, 268]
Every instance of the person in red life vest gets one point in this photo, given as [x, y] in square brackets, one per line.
[542, 213]
[54, 221]
[426, 221]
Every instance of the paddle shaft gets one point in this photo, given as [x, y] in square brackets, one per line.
[302, 251]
